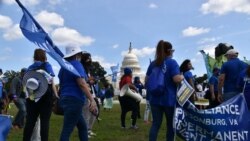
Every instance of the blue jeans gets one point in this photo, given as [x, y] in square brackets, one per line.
[21, 106]
[73, 116]
[157, 113]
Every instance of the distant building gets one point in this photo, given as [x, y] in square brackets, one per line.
[130, 60]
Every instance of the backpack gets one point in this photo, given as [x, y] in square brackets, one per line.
[156, 84]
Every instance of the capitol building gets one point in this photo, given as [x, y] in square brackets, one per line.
[130, 60]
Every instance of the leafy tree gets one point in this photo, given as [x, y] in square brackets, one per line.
[99, 73]
[9, 75]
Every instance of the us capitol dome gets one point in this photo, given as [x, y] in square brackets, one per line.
[130, 60]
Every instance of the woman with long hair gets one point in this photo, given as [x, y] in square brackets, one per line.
[185, 68]
[43, 107]
[164, 103]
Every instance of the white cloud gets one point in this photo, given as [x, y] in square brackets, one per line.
[221, 7]
[153, 6]
[55, 2]
[145, 51]
[193, 31]
[8, 49]
[5, 22]
[48, 20]
[66, 36]
[25, 2]
[209, 48]
[208, 40]
[115, 46]
[102, 62]
[13, 33]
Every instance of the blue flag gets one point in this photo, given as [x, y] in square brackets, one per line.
[114, 70]
[5, 125]
[35, 33]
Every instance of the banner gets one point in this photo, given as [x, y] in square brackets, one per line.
[229, 121]
[184, 92]
[35, 33]
[114, 70]
[5, 125]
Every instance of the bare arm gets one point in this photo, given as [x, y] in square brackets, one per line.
[54, 88]
[211, 90]
[178, 78]
[84, 87]
[220, 86]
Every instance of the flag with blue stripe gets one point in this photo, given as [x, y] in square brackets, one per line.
[36, 34]
[114, 70]
[5, 126]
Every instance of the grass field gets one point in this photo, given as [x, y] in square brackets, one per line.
[108, 129]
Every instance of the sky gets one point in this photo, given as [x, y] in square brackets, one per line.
[105, 28]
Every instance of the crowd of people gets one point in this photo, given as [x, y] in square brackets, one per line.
[81, 100]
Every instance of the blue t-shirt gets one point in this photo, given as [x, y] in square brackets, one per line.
[188, 75]
[68, 83]
[169, 98]
[47, 67]
[244, 81]
[232, 69]
[214, 81]
[139, 87]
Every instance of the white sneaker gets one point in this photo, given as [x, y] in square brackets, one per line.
[91, 133]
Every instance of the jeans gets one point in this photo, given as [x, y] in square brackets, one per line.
[157, 113]
[19, 119]
[73, 116]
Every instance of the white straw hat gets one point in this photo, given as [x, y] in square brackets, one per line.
[36, 83]
[32, 84]
[72, 50]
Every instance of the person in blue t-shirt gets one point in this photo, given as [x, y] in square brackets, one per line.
[229, 73]
[73, 90]
[139, 86]
[185, 68]
[243, 83]
[213, 89]
[163, 104]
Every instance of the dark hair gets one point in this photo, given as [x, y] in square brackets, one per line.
[86, 61]
[1, 71]
[163, 50]
[248, 71]
[40, 55]
[184, 66]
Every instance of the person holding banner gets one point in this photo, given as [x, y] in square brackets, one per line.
[229, 73]
[185, 68]
[73, 91]
[243, 83]
[164, 104]
[212, 93]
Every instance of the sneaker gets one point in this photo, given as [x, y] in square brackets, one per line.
[91, 133]
[89, 136]
[123, 127]
[134, 127]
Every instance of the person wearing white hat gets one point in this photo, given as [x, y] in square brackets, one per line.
[229, 73]
[42, 106]
[73, 92]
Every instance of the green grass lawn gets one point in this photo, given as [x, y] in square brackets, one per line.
[108, 129]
